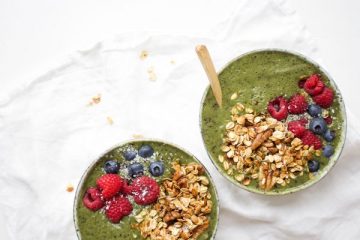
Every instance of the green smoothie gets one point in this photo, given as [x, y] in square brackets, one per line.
[94, 225]
[257, 78]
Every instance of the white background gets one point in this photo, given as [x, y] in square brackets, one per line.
[35, 35]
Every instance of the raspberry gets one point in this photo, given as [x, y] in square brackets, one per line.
[92, 199]
[325, 99]
[314, 85]
[328, 120]
[297, 104]
[145, 190]
[126, 188]
[301, 83]
[278, 108]
[110, 185]
[310, 138]
[297, 127]
[118, 208]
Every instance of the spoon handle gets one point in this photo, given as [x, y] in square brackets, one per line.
[209, 68]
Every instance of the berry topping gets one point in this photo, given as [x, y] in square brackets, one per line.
[314, 110]
[126, 188]
[297, 127]
[135, 170]
[301, 83]
[278, 108]
[111, 166]
[145, 190]
[308, 138]
[328, 150]
[325, 99]
[313, 165]
[129, 155]
[314, 85]
[110, 185]
[318, 125]
[328, 120]
[118, 208]
[156, 168]
[92, 199]
[329, 135]
[146, 151]
[297, 104]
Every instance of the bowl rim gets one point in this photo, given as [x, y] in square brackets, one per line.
[122, 143]
[329, 166]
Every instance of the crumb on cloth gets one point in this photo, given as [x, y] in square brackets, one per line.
[137, 136]
[110, 120]
[152, 74]
[95, 99]
[144, 54]
[69, 187]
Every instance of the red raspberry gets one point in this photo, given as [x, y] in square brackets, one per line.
[309, 138]
[278, 108]
[301, 83]
[110, 185]
[118, 208]
[314, 85]
[297, 104]
[145, 190]
[304, 121]
[328, 120]
[92, 199]
[297, 127]
[325, 99]
[126, 188]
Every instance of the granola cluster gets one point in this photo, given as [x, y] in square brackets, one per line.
[183, 206]
[260, 148]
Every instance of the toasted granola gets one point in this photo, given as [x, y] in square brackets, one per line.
[183, 206]
[259, 148]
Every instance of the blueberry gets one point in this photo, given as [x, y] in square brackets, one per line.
[135, 170]
[156, 168]
[329, 135]
[313, 165]
[314, 110]
[129, 155]
[318, 125]
[328, 150]
[111, 166]
[146, 151]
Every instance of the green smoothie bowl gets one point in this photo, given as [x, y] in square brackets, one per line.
[146, 189]
[282, 124]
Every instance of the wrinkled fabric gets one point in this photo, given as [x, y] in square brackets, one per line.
[49, 135]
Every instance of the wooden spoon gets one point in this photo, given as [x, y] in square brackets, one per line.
[209, 68]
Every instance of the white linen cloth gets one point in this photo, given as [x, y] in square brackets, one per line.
[49, 136]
